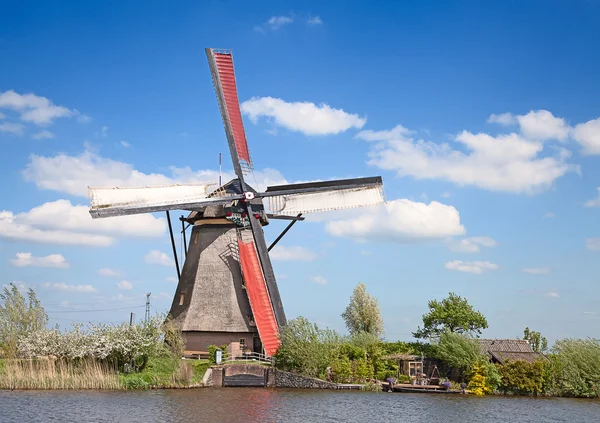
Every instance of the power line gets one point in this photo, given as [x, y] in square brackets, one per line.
[91, 311]
[92, 302]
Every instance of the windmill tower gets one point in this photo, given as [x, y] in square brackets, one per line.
[227, 292]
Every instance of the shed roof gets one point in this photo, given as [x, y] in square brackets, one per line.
[509, 349]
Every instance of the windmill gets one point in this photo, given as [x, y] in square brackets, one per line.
[227, 292]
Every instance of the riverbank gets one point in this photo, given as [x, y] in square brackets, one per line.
[48, 374]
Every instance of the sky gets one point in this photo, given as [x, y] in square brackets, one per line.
[483, 118]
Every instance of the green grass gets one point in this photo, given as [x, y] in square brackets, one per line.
[165, 372]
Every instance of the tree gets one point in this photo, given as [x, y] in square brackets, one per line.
[538, 342]
[362, 314]
[18, 317]
[453, 314]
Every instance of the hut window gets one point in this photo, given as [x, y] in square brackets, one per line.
[242, 342]
[181, 298]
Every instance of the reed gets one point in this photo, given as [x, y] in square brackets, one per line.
[58, 374]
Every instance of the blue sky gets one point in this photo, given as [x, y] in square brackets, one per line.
[482, 118]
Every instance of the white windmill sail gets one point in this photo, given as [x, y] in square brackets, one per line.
[293, 204]
[161, 197]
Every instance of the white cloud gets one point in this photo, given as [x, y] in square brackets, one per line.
[156, 257]
[542, 125]
[304, 117]
[502, 119]
[593, 244]
[61, 214]
[552, 294]
[549, 215]
[171, 279]
[104, 131]
[595, 202]
[12, 230]
[476, 267]
[60, 222]
[588, 135]
[109, 273]
[537, 270]
[400, 221]
[314, 20]
[12, 128]
[293, 253]
[28, 260]
[73, 174]
[319, 279]
[61, 286]
[44, 134]
[274, 23]
[445, 194]
[504, 163]
[125, 285]
[33, 108]
[472, 245]
[125, 144]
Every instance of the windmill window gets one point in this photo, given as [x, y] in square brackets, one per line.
[181, 298]
[196, 237]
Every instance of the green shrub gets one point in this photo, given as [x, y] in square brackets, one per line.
[212, 349]
[577, 367]
[522, 378]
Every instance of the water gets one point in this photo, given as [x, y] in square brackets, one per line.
[265, 405]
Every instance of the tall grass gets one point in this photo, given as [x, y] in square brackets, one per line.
[58, 374]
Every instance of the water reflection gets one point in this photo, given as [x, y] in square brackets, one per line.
[264, 405]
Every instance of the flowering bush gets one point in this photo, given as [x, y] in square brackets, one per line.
[116, 344]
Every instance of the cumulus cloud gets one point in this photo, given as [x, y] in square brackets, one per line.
[400, 221]
[472, 245]
[109, 273]
[552, 294]
[593, 244]
[12, 230]
[60, 222]
[537, 270]
[73, 174]
[35, 109]
[319, 279]
[12, 128]
[594, 202]
[542, 125]
[125, 285]
[125, 144]
[28, 260]
[292, 253]
[314, 20]
[159, 258]
[61, 286]
[588, 135]
[507, 162]
[305, 117]
[476, 267]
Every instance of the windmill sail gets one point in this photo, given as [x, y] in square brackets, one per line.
[107, 202]
[258, 295]
[221, 67]
[315, 197]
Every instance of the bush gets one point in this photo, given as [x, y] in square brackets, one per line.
[576, 367]
[115, 344]
[212, 349]
[522, 378]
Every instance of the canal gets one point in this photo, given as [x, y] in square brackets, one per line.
[266, 405]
